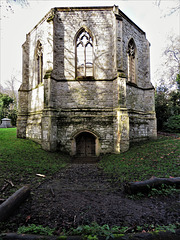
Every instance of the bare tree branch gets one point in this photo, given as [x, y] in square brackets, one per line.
[7, 6]
[23, 3]
[158, 2]
[175, 54]
[172, 10]
[167, 73]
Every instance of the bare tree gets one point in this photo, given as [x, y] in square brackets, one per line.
[171, 10]
[171, 64]
[21, 2]
[7, 5]
[10, 88]
[172, 55]
[12, 95]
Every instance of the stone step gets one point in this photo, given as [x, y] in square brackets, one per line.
[85, 159]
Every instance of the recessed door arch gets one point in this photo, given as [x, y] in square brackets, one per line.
[85, 145]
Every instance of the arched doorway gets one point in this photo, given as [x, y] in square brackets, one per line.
[85, 145]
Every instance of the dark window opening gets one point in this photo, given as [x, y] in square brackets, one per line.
[39, 61]
[131, 61]
[84, 55]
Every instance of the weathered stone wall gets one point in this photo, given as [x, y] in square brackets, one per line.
[100, 123]
[23, 92]
[108, 106]
[35, 107]
[43, 32]
[84, 94]
[140, 99]
[141, 108]
[142, 126]
[22, 113]
[33, 128]
[137, 98]
[142, 51]
[36, 99]
[66, 26]
[49, 130]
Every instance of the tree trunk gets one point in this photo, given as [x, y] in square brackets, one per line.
[147, 185]
[7, 207]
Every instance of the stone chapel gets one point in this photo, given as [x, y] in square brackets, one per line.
[86, 86]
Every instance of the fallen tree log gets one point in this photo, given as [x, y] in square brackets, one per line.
[137, 236]
[147, 185]
[7, 207]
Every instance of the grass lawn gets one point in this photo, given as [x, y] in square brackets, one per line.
[22, 159]
[159, 158]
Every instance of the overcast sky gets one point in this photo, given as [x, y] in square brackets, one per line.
[145, 13]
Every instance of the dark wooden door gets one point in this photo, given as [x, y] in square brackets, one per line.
[85, 145]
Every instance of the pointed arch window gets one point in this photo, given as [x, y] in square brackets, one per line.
[39, 62]
[84, 54]
[131, 61]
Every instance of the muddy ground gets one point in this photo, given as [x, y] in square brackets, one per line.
[81, 194]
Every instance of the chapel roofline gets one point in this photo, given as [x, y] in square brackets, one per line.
[115, 9]
[48, 14]
[88, 8]
[130, 21]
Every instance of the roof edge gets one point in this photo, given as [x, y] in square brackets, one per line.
[84, 8]
[123, 15]
[114, 8]
[42, 20]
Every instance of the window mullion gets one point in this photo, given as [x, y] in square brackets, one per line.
[38, 63]
[84, 60]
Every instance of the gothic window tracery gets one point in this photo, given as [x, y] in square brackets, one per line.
[39, 62]
[84, 54]
[131, 61]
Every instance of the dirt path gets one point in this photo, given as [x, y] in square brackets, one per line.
[82, 193]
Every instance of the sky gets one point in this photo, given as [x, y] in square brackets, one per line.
[146, 14]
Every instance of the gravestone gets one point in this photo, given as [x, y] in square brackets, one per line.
[6, 123]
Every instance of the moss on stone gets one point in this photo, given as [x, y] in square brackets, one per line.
[118, 235]
[48, 74]
[50, 18]
[62, 237]
[85, 78]
[122, 75]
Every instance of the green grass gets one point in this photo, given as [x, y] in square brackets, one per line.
[21, 160]
[34, 229]
[93, 230]
[160, 158]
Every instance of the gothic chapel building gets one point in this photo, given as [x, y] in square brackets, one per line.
[86, 86]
